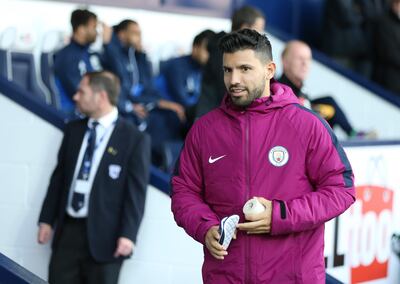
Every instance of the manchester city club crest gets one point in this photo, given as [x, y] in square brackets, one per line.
[278, 156]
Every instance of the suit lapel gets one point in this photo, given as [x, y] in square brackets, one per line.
[76, 143]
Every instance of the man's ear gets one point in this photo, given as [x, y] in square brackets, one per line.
[195, 50]
[244, 26]
[270, 70]
[104, 96]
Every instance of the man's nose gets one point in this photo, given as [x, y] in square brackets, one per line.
[75, 97]
[235, 77]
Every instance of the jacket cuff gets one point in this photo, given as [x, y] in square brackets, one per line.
[280, 223]
[203, 229]
[133, 240]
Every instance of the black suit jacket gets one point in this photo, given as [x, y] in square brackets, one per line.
[116, 206]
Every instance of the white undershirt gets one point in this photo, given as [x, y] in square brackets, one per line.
[103, 134]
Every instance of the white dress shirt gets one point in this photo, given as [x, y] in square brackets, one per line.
[103, 134]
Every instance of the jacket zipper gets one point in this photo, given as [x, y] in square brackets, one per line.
[247, 162]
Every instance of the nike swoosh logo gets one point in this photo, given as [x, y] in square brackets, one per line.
[211, 160]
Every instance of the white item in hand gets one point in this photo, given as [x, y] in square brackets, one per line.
[253, 206]
[227, 229]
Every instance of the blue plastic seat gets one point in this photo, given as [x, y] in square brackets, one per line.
[24, 74]
[5, 64]
[48, 77]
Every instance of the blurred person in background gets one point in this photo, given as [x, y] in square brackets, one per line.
[75, 59]
[387, 45]
[296, 61]
[119, 58]
[179, 81]
[125, 57]
[371, 11]
[344, 37]
[158, 116]
[212, 86]
[96, 195]
[180, 77]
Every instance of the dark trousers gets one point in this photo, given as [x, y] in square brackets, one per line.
[164, 128]
[71, 261]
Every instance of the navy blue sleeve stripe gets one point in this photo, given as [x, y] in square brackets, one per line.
[283, 209]
[348, 181]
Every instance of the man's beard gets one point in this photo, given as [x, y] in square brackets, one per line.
[90, 39]
[245, 101]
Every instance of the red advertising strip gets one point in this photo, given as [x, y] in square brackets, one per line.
[371, 233]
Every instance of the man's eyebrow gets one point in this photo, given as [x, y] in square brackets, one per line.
[239, 66]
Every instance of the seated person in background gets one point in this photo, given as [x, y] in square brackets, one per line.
[183, 74]
[296, 60]
[180, 77]
[119, 57]
[74, 60]
[146, 81]
[124, 56]
[387, 45]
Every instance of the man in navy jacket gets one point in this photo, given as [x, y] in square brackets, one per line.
[125, 57]
[75, 59]
[140, 99]
[180, 77]
[183, 74]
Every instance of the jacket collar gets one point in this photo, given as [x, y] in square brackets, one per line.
[281, 95]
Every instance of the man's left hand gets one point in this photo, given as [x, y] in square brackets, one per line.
[175, 107]
[124, 247]
[258, 223]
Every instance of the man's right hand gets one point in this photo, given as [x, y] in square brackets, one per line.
[44, 234]
[213, 245]
[140, 110]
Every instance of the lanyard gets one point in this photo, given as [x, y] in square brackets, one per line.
[87, 162]
[96, 145]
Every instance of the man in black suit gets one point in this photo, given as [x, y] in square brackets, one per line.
[95, 199]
